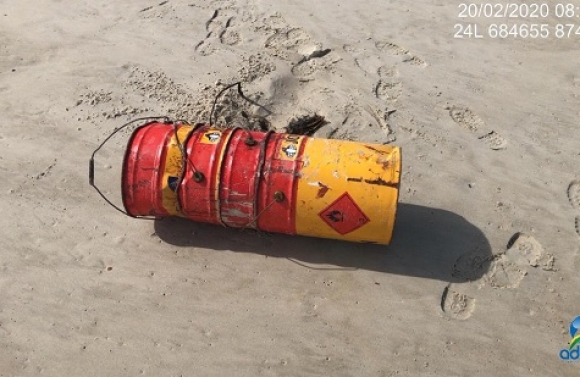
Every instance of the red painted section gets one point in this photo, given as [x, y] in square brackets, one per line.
[142, 173]
[238, 179]
[198, 199]
[233, 192]
[278, 175]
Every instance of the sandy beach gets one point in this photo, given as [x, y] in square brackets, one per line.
[481, 278]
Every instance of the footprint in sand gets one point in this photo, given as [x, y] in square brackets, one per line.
[504, 270]
[365, 57]
[574, 194]
[388, 71]
[297, 47]
[271, 23]
[315, 61]
[504, 273]
[351, 49]
[357, 118]
[508, 269]
[494, 141]
[305, 70]
[255, 66]
[228, 36]
[159, 10]
[457, 305]
[392, 49]
[472, 122]
[524, 250]
[220, 20]
[466, 118]
[471, 266]
[414, 60]
[220, 28]
[212, 24]
[291, 44]
[388, 91]
[205, 48]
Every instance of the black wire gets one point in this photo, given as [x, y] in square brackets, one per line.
[185, 160]
[92, 163]
[126, 125]
[184, 157]
[241, 93]
[218, 96]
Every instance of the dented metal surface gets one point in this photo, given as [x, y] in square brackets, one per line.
[277, 182]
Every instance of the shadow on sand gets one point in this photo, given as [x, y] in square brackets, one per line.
[427, 243]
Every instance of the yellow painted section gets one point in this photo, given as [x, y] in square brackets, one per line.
[369, 173]
[173, 163]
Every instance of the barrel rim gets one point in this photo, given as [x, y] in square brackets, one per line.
[394, 227]
[128, 150]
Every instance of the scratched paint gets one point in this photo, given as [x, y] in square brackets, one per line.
[322, 190]
[367, 177]
[279, 183]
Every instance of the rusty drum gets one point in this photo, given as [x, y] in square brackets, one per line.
[269, 181]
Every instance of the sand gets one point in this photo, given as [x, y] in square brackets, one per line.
[481, 278]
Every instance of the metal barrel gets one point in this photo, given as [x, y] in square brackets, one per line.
[274, 182]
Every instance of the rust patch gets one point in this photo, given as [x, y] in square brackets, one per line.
[283, 169]
[384, 162]
[363, 155]
[322, 190]
[375, 149]
[381, 182]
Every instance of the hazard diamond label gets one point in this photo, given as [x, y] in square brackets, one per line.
[344, 215]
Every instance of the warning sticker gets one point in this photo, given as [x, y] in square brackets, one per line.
[344, 215]
[289, 147]
[211, 137]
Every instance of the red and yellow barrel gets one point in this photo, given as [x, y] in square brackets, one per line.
[269, 181]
